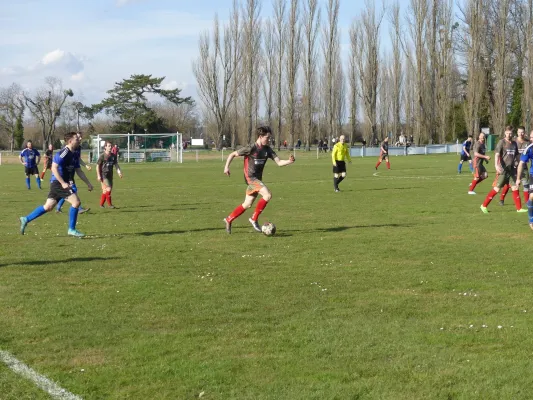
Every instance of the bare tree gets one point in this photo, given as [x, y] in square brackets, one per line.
[11, 109]
[294, 52]
[330, 47]
[269, 68]
[235, 29]
[45, 106]
[252, 45]
[281, 32]
[528, 73]
[353, 82]
[311, 29]
[214, 70]
[396, 73]
[367, 29]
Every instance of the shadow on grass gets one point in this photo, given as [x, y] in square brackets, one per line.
[345, 228]
[394, 188]
[48, 262]
[129, 210]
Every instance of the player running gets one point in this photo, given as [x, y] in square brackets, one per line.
[384, 153]
[480, 172]
[30, 157]
[48, 156]
[522, 142]
[465, 155]
[64, 166]
[340, 153]
[526, 156]
[104, 171]
[505, 164]
[255, 158]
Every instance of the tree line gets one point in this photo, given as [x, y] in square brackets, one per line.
[46, 114]
[447, 69]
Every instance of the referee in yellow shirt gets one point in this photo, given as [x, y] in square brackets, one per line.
[340, 153]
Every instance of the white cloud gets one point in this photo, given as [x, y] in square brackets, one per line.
[78, 77]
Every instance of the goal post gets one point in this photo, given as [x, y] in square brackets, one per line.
[142, 147]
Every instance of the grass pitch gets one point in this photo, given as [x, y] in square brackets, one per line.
[396, 288]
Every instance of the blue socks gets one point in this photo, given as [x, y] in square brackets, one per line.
[530, 211]
[60, 204]
[36, 213]
[28, 182]
[38, 182]
[460, 167]
[471, 167]
[73, 214]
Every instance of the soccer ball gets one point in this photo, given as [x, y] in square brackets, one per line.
[268, 229]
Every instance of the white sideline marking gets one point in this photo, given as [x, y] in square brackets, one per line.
[40, 381]
[375, 173]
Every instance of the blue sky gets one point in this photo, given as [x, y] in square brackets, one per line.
[92, 44]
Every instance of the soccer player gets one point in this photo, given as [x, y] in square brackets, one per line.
[104, 171]
[480, 172]
[384, 153]
[504, 162]
[64, 166]
[48, 156]
[30, 157]
[77, 154]
[339, 154]
[465, 155]
[255, 158]
[522, 142]
[526, 156]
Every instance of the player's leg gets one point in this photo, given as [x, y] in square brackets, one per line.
[241, 208]
[27, 172]
[504, 192]
[460, 166]
[75, 203]
[103, 197]
[470, 165]
[37, 177]
[387, 161]
[499, 182]
[380, 159]
[530, 203]
[516, 193]
[336, 178]
[525, 185]
[41, 210]
[266, 195]
[109, 187]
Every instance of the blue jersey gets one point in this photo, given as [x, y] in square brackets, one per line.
[466, 145]
[67, 162]
[528, 155]
[29, 156]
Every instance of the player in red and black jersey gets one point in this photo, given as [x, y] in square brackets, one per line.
[255, 158]
[384, 153]
[48, 156]
[104, 171]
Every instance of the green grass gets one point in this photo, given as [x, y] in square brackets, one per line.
[381, 291]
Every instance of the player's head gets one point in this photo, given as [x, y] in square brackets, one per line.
[386, 139]
[71, 138]
[508, 131]
[29, 144]
[342, 139]
[50, 146]
[521, 131]
[107, 147]
[481, 137]
[469, 138]
[263, 134]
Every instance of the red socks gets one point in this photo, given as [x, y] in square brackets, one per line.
[505, 189]
[473, 185]
[259, 209]
[516, 198]
[108, 196]
[489, 197]
[388, 165]
[102, 199]
[377, 165]
[238, 211]
[526, 197]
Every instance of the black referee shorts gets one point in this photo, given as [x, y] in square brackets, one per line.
[340, 168]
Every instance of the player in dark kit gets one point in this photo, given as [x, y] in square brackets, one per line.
[465, 155]
[522, 142]
[30, 157]
[104, 171]
[480, 172]
[505, 164]
[48, 156]
[64, 166]
[255, 158]
[525, 157]
[384, 153]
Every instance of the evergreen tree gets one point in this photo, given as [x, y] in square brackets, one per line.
[19, 132]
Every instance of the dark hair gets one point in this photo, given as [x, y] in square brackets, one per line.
[522, 127]
[69, 136]
[469, 136]
[509, 128]
[29, 141]
[263, 130]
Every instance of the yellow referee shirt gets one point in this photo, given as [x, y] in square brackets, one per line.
[340, 152]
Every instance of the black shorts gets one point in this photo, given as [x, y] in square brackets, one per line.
[49, 164]
[340, 168]
[57, 192]
[31, 170]
[383, 156]
[464, 157]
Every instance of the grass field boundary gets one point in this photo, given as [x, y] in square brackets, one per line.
[41, 381]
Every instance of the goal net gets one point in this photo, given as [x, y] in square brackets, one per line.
[141, 147]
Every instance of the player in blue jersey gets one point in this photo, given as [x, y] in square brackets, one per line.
[30, 157]
[77, 153]
[465, 155]
[64, 166]
[526, 156]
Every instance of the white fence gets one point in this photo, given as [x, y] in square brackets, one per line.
[360, 151]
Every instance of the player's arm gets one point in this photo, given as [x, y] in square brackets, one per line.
[282, 163]
[519, 172]
[466, 151]
[333, 155]
[229, 160]
[119, 171]
[83, 164]
[59, 178]
[38, 159]
[348, 156]
[82, 176]
[21, 158]
[99, 168]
